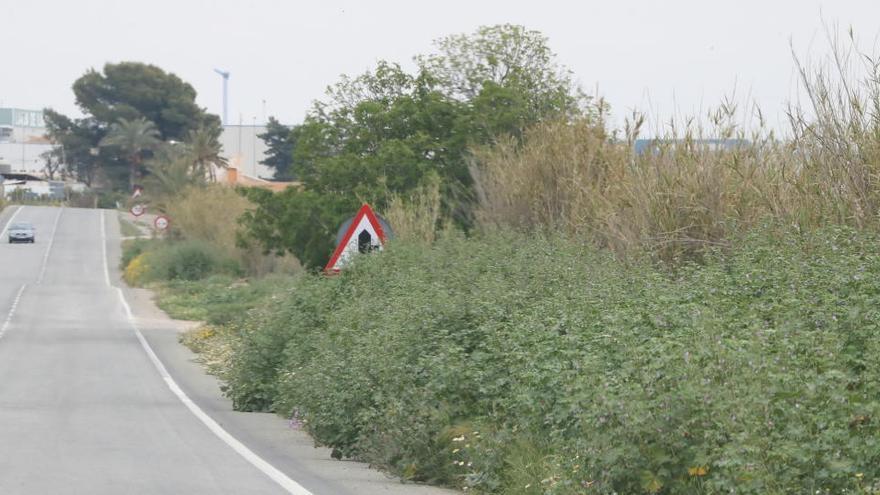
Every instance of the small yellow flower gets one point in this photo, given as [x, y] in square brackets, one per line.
[698, 471]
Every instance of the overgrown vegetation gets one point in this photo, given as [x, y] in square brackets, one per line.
[210, 215]
[389, 133]
[128, 229]
[696, 186]
[515, 364]
[563, 311]
[218, 299]
[200, 243]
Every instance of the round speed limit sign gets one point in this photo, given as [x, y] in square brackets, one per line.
[161, 222]
[137, 210]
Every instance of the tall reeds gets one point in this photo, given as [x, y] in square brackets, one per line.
[696, 185]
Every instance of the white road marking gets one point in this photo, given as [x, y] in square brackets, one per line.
[12, 308]
[49, 247]
[104, 247]
[9, 222]
[11, 311]
[289, 485]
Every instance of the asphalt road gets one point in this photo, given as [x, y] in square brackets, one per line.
[97, 396]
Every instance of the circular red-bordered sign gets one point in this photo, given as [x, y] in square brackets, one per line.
[161, 222]
[137, 210]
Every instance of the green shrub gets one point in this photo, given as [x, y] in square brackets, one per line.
[208, 214]
[132, 248]
[514, 364]
[218, 299]
[186, 260]
[170, 261]
[295, 315]
[111, 200]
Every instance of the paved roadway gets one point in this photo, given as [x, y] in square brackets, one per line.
[85, 408]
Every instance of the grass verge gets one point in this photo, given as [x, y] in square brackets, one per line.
[127, 229]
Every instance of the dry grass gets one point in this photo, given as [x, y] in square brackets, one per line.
[417, 217]
[685, 192]
[210, 214]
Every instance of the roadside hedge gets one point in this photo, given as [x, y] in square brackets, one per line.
[532, 365]
[151, 260]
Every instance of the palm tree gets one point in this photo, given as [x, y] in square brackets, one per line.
[205, 151]
[133, 137]
[171, 171]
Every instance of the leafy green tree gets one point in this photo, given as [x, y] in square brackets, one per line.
[398, 130]
[129, 90]
[505, 56]
[171, 171]
[133, 138]
[52, 162]
[175, 166]
[383, 134]
[280, 141]
[205, 151]
[303, 223]
[78, 138]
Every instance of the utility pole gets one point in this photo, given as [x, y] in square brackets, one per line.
[225, 75]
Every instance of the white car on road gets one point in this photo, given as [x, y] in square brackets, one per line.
[22, 232]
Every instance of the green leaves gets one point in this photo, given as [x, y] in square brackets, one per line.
[134, 97]
[579, 371]
[129, 90]
[303, 223]
[280, 141]
[387, 133]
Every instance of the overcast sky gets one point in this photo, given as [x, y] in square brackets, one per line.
[661, 56]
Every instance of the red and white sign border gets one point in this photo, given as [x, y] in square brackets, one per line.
[162, 217]
[367, 212]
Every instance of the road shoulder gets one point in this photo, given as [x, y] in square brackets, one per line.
[271, 437]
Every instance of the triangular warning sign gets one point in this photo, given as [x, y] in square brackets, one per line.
[365, 234]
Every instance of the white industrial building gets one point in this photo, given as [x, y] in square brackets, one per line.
[245, 150]
[23, 140]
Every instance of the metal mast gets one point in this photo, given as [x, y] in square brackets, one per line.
[225, 75]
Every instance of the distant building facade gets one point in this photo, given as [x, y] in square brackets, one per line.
[23, 139]
[244, 150]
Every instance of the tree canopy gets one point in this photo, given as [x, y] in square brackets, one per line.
[129, 90]
[126, 92]
[280, 142]
[387, 132]
[504, 56]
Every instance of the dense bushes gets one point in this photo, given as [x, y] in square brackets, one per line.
[218, 299]
[153, 260]
[202, 242]
[210, 214]
[516, 364]
[541, 362]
